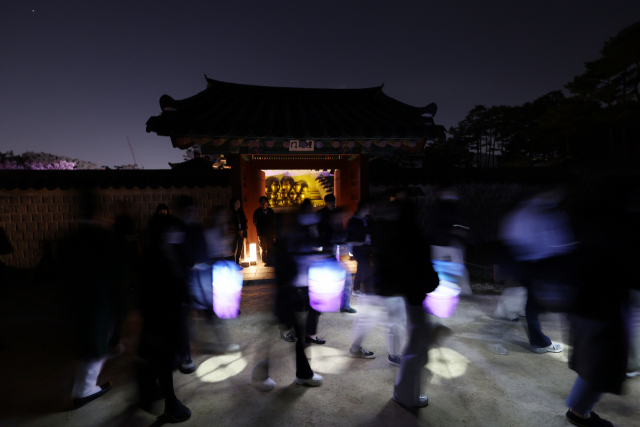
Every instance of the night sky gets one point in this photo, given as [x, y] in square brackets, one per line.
[78, 77]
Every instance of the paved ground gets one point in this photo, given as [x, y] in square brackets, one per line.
[467, 385]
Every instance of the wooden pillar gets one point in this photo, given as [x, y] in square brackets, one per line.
[233, 161]
[253, 189]
[336, 187]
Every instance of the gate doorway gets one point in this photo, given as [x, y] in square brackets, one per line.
[249, 178]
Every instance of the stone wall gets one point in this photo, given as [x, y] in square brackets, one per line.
[34, 219]
[483, 204]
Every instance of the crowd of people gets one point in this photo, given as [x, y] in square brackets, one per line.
[574, 267]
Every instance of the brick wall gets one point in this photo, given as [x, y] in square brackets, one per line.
[33, 218]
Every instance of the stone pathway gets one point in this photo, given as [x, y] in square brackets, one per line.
[467, 384]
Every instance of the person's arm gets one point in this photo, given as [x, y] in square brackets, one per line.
[355, 232]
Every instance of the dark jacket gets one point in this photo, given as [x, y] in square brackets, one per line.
[239, 221]
[331, 228]
[93, 264]
[402, 257]
[325, 227]
[265, 223]
[598, 329]
[357, 231]
[162, 292]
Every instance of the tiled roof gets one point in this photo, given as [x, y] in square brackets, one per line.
[246, 111]
[90, 179]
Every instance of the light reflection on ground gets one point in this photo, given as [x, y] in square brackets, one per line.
[446, 363]
[328, 360]
[219, 368]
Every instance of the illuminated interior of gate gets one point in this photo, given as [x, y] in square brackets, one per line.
[286, 188]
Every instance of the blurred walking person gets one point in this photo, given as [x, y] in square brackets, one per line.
[449, 237]
[382, 306]
[539, 237]
[204, 247]
[162, 295]
[296, 247]
[332, 238]
[359, 237]
[93, 265]
[606, 255]
[404, 270]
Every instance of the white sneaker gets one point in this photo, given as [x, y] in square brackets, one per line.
[362, 353]
[266, 385]
[313, 382]
[553, 348]
[423, 402]
[633, 374]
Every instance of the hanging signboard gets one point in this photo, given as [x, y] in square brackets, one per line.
[298, 145]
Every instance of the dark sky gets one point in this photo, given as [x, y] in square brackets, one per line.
[78, 77]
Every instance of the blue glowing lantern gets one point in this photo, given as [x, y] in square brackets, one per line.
[227, 289]
[326, 285]
[442, 302]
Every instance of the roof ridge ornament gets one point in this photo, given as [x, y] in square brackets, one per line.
[429, 110]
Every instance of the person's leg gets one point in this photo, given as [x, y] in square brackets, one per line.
[173, 408]
[220, 329]
[164, 373]
[303, 369]
[407, 387]
[536, 338]
[239, 245]
[259, 377]
[457, 254]
[348, 284]
[364, 321]
[312, 322]
[396, 324]
[261, 243]
[582, 398]
[633, 365]
[360, 272]
[187, 365]
[87, 378]
[269, 250]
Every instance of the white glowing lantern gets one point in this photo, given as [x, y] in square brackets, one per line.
[326, 285]
[253, 253]
[442, 302]
[227, 289]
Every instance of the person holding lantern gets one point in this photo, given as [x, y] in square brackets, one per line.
[332, 236]
[404, 269]
[295, 248]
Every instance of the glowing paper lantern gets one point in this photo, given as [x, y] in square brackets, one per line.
[326, 285]
[253, 253]
[227, 289]
[442, 302]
